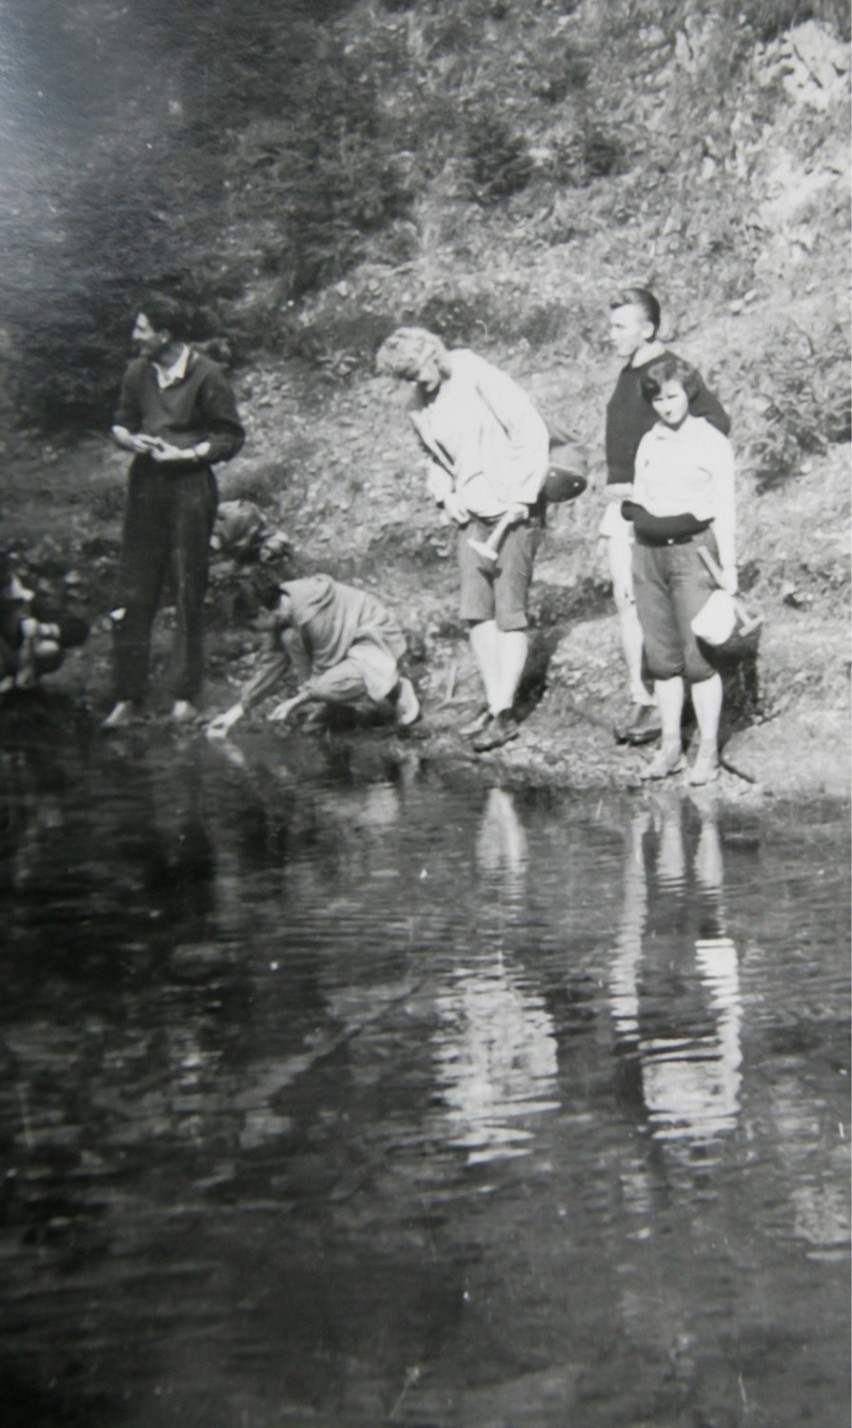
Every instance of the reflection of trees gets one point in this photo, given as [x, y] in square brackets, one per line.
[496, 1050]
[674, 980]
[99, 855]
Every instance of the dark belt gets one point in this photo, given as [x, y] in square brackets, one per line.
[668, 540]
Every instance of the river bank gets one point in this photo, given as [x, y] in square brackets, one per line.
[787, 724]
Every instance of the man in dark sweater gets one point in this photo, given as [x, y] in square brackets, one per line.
[634, 321]
[177, 414]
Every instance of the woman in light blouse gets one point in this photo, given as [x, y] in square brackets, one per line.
[683, 499]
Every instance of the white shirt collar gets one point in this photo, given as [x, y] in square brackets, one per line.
[167, 376]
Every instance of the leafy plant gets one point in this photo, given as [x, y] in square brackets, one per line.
[770, 18]
[810, 406]
[500, 161]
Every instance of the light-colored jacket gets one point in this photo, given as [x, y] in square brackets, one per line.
[487, 442]
[689, 468]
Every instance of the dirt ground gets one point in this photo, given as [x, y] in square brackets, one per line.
[787, 721]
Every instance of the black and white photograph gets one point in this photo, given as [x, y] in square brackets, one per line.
[425, 716]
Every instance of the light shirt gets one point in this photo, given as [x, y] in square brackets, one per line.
[489, 443]
[167, 376]
[683, 469]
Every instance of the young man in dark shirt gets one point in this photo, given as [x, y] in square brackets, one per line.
[177, 414]
[634, 321]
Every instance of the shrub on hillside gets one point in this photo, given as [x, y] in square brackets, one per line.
[770, 18]
[500, 163]
[809, 407]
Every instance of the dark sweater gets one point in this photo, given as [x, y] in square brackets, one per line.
[629, 416]
[200, 407]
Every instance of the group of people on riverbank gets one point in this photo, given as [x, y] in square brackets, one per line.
[669, 520]
[670, 513]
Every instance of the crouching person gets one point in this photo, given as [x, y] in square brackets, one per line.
[341, 643]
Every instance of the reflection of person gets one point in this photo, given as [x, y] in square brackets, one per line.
[178, 416]
[501, 847]
[496, 1045]
[341, 642]
[488, 450]
[634, 320]
[682, 501]
[690, 1077]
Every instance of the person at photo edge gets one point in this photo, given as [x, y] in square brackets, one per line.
[178, 416]
[634, 323]
[488, 450]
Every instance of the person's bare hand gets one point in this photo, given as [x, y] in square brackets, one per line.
[456, 509]
[221, 726]
[164, 453]
[281, 712]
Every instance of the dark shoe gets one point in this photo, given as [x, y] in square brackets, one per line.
[481, 719]
[503, 727]
[620, 731]
[645, 728]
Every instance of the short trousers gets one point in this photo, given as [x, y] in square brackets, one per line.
[671, 584]
[365, 669]
[497, 592]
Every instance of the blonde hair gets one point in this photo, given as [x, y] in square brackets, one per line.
[407, 351]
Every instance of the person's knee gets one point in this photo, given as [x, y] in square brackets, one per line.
[663, 664]
[515, 622]
[696, 667]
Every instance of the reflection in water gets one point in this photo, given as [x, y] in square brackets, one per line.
[268, 1032]
[496, 1048]
[688, 1052]
[496, 1060]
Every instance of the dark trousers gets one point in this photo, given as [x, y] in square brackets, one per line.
[168, 522]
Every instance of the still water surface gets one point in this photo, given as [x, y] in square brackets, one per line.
[339, 1092]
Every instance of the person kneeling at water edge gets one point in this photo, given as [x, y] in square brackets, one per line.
[682, 501]
[342, 645]
[488, 450]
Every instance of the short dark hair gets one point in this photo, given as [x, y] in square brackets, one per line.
[268, 591]
[669, 369]
[184, 320]
[639, 297]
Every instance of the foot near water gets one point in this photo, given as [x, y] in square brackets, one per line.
[706, 767]
[480, 720]
[642, 727]
[498, 731]
[407, 704]
[122, 714]
[667, 762]
[183, 712]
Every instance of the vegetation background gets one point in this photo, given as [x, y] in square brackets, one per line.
[306, 174]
